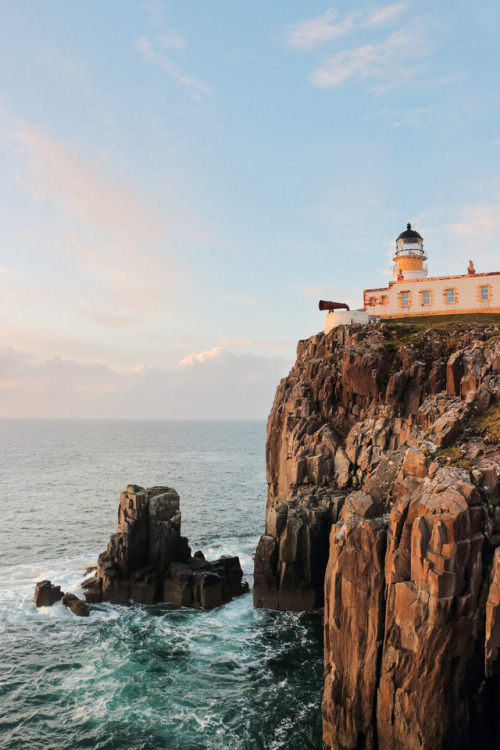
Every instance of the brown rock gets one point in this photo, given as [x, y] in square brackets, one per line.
[148, 561]
[76, 605]
[46, 594]
[454, 372]
[492, 638]
[407, 582]
[92, 588]
[354, 617]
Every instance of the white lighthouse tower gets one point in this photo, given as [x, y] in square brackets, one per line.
[409, 256]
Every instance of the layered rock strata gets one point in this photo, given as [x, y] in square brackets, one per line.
[148, 561]
[393, 433]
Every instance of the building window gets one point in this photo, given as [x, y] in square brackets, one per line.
[485, 293]
[450, 296]
[426, 297]
[405, 299]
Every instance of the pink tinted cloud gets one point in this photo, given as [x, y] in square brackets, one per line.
[219, 386]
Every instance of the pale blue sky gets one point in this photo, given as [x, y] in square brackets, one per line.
[182, 181]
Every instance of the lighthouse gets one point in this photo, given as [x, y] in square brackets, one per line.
[409, 256]
[414, 293]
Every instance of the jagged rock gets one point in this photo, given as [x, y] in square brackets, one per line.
[354, 617]
[384, 438]
[93, 588]
[291, 558]
[492, 638]
[46, 594]
[148, 561]
[76, 605]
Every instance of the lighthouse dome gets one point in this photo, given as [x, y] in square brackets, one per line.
[409, 234]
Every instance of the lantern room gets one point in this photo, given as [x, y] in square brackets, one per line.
[409, 256]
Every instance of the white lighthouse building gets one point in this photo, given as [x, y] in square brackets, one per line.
[414, 293]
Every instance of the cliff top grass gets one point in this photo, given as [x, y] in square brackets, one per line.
[410, 330]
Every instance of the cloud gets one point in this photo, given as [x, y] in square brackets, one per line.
[172, 40]
[384, 61]
[8, 271]
[482, 222]
[196, 88]
[411, 117]
[191, 359]
[315, 31]
[224, 345]
[385, 15]
[82, 189]
[100, 220]
[219, 386]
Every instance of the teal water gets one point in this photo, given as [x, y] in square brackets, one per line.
[143, 677]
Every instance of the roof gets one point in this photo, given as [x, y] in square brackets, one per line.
[409, 234]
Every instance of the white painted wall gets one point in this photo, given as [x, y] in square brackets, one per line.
[345, 318]
[467, 296]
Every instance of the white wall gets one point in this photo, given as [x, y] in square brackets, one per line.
[467, 296]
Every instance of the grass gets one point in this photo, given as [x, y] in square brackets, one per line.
[410, 330]
[445, 322]
[454, 456]
[488, 425]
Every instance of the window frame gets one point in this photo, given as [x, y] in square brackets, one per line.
[424, 292]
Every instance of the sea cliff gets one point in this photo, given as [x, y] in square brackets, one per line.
[383, 504]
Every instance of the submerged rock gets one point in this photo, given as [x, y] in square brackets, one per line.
[148, 561]
[46, 594]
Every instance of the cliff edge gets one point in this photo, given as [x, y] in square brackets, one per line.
[383, 464]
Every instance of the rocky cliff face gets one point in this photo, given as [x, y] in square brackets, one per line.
[383, 465]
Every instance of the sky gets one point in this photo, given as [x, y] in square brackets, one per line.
[181, 182]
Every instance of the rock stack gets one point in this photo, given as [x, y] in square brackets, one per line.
[383, 469]
[148, 561]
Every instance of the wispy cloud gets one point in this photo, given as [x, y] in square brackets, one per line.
[196, 88]
[309, 34]
[9, 272]
[481, 221]
[411, 117]
[385, 15]
[160, 49]
[172, 40]
[101, 219]
[386, 61]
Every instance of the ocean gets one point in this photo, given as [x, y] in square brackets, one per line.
[143, 677]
